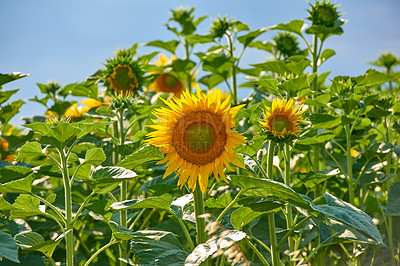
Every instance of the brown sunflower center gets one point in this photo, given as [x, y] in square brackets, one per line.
[199, 137]
[279, 124]
[123, 78]
[170, 82]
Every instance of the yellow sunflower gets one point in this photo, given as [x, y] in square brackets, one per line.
[283, 119]
[196, 135]
[166, 82]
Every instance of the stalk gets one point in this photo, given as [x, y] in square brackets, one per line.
[69, 237]
[349, 164]
[234, 86]
[124, 188]
[198, 211]
[391, 246]
[271, 216]
[289, 215]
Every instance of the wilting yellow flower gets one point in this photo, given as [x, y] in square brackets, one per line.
[282, 120]
[196, 135]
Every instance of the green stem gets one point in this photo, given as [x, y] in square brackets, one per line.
[289, 215]
[186, 232]
[81, 207]
[136, 219]
[271, 216]
[349, 164]
[187, 54]
[51, 206]
[230, 205]
[69, 238]
[297, 226]
[198, 211]
[112, 242]
[258, 253]
[391, 246]
[234, 86]
[147, 219]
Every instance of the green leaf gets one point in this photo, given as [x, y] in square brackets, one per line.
[203, 251]
[5, 95]
[34, 241]
[197, 38]
[158, 246]
[319, 100]
[350, 215]
[144, 155]
[159, 185]
[319, 139]
[8, 247]
[23, 185]
[106, 179]
[25, 205]
[311, 179]
[326, 54]
[221, 202]
[169, 46]
[87, 128]
[31, 151]
[211, 80]
[4, 205]
[82, 89]
[218, 64]
[40, 128]
[252, 211]
[372, 77]
[262, 45]
[61, 107]
[9, 173]
[324, 121]
[5, 78]
[60, 135]
[393, 203]
[271, 190]
[10, 110]
[250, 36]
[294, 26]
[161, 203]
[94, 157]
[282, 68]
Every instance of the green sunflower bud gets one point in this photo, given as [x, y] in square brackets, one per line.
[220, 26]
[324, 14]
[286, 44]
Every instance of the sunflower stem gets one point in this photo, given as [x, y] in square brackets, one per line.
[230, 205]
[199, 211]
[289, 215]
[349, 164]
[271, 216]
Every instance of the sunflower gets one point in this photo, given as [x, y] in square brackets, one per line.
[123, 75]
[196, 135]
[166, 82]
[282, 120]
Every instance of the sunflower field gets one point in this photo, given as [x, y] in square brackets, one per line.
[156, 160]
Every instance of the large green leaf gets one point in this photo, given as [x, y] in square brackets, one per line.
[271, 190]
[23, 185]
[324, 121]
[221, 242]
[250, 36]
[9, 173]
[5, 95]
[4, 205]
[94, 157]
[88, 127]
[318, 139]
[393, 203]
[249, 212]
[60, 135]
[170, 46]
[161, 203]
[294, 26]
[150, 246]
[25, 205]
[31, 151]
[350, 215]
[106, 179]
[311, 179]
[34, 241]
[10, 110]
[5, 78]
[8, 247]
[83, 89]
[144, 155]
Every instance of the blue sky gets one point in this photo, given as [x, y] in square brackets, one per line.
[69, 40]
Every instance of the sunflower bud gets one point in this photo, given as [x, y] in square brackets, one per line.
[220, 26]
[286, 44]
[324, 14]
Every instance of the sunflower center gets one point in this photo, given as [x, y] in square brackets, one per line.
[170, 81]
[123, 78]
[199, 137]
[279, 124]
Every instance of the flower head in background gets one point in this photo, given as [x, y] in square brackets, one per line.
[324, 14]
[282, 121]
[196, 135]
[166, 82]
